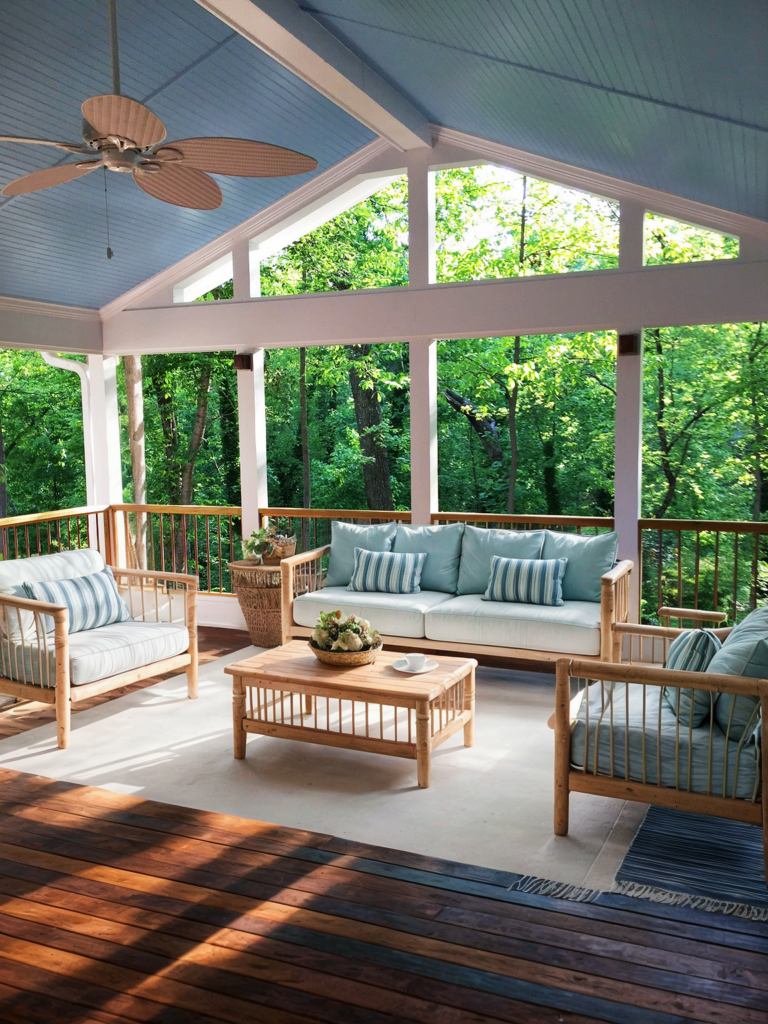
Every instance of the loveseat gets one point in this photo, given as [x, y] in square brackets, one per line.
[449, 611]
[688, 738]
[72, 628]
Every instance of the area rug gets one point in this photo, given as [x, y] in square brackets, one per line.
[697, 861]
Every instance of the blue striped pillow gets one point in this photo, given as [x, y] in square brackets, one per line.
[387, 572]
[92, 601]
[692, 651]
[526, 580]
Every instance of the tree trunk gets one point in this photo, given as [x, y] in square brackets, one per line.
[512, 395]
[230, 435]
[370, 428]
[306, 490]
[484, 426]
[757, 402]
[196, 437]
[551, 489]
[134, 387]
[3, 478]
[664, 445]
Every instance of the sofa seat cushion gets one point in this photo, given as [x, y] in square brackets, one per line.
[732, 771]
[571, 628]
[391, 614]
[97, 653]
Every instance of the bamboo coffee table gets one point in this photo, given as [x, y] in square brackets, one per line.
[373, 707]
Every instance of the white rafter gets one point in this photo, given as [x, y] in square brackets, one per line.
[300, 43]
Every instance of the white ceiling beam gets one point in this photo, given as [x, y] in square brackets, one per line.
[300, 43]
[723, 291]
[29, 324]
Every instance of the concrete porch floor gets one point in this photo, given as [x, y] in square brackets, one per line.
[490, 804]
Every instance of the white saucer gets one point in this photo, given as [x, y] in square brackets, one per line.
[400, 666]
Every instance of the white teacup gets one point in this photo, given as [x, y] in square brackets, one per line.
[415, 662]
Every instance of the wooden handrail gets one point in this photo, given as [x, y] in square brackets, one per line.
[333, 513]
[704, 525]
[47, 517]
[186, 510]
[483, 517]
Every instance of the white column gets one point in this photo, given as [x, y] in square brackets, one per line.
[105, 431]
[423, 371]
[631, 241]
[241, 270]
[421, 220]
[252, 414]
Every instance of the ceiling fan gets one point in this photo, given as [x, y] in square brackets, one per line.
[129, 139]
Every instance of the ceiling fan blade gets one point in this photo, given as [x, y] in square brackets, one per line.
[38, 180]
[180, 186]
[240, 157]
[120, 115]
[69, 147]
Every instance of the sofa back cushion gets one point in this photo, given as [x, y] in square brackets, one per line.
[14, 573]
[345, 537]
[588, 559]
[744, 653]
[692, 651]
[387, 572]
[526, 580]
[442, 546]
[479, 546]
[92, 600]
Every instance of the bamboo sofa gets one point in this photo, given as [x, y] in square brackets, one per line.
[439, 618]
[40, 660]
[619, 737]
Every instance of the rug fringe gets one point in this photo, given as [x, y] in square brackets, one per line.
[682, 899]
[557, 890]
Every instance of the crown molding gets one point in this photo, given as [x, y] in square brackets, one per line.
[359, 161]
[656, 200]
[11, 305]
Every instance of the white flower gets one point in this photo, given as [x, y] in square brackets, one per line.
[320, 636]
[348, 641]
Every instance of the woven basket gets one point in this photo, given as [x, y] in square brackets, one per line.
[347, 659]
[279, 551]
[259, 595]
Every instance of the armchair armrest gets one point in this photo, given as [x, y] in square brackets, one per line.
[300, 574]
[159, 606]
[152, 574]
[614, 607]
[696, 615]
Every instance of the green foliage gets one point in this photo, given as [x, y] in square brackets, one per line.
[672, 241]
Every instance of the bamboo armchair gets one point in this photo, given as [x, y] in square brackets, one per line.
[151, 597]
[610, 768]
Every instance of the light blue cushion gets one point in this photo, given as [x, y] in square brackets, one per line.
[692, 651]
[442, 545]
[479, 546]
[385, 572]
[744, 653]
[588, 559]
[92, 600]
[345, 537]
[526, 580]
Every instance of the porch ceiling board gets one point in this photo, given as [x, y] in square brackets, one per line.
[199, 76]
[671, 96]
[725, 291]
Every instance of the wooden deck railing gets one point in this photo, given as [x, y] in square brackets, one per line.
[700, 563]
[711, 564]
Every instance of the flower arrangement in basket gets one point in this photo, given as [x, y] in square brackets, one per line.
[268, 547]
[344, 641]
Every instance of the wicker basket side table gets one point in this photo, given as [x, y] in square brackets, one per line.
[258, 591]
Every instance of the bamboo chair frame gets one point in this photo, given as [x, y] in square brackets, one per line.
[653, 641]
[305, 573]
[150, 595]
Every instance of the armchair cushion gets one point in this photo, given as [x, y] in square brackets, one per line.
[345, 537]
[92, 600]
[744, 653]
[692, 651]
[480, 545]
[442, 545]
[588, 559]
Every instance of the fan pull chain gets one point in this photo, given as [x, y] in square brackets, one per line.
[106, 210]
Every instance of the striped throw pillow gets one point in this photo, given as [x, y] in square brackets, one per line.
[526, 580]
[692, 651]
[92, 601]
[387, 572]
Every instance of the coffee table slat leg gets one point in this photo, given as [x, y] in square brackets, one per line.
[238, 715]
[469, 705]
[423, 742]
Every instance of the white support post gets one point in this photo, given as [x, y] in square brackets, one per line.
[421, 220]
[105, 427]
[631, 237]
[241, 270]
[423, 401]
[629, 465]
[253, 442]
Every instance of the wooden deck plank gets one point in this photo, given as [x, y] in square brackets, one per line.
[114, 909]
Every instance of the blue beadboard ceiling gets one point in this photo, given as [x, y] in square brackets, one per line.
[672, 94]
[666, 93]
[198, 76]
